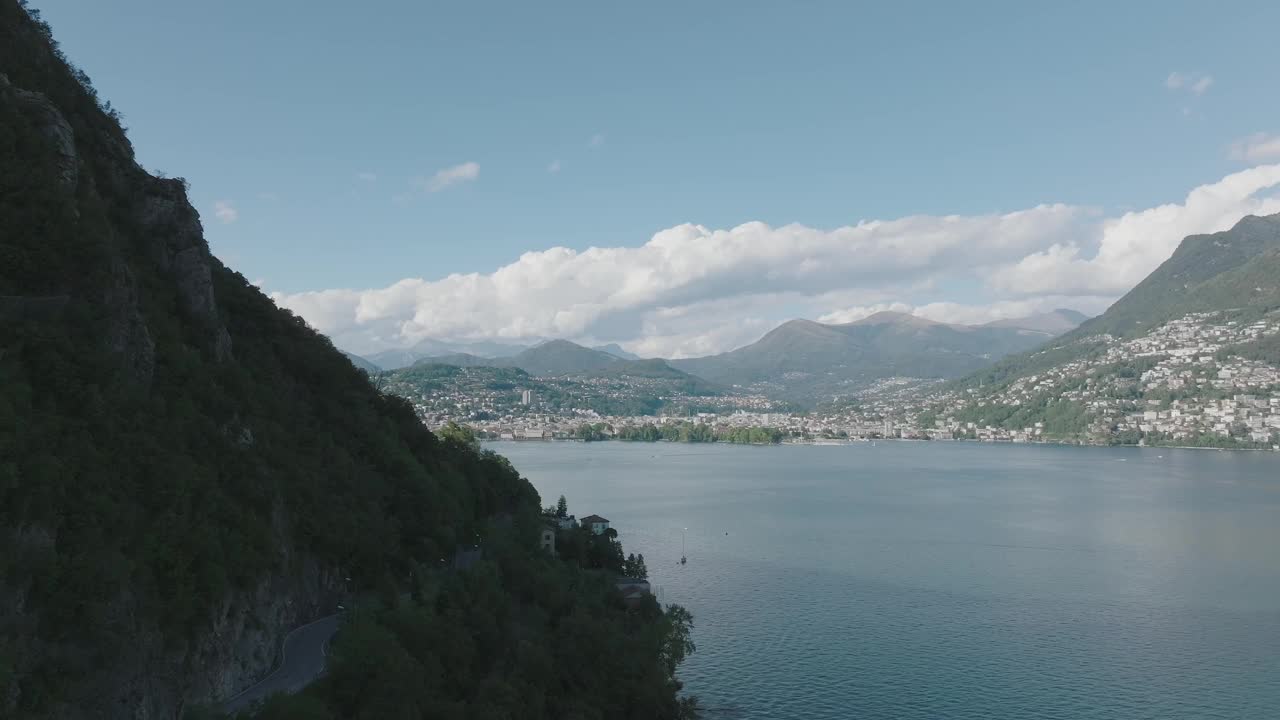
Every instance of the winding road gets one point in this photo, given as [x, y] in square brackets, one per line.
[302, 660]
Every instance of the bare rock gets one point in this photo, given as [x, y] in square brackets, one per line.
[52, 126]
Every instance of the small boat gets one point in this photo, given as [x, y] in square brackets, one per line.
[683, 558]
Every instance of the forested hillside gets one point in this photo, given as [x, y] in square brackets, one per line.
[1234, 272]
[188, 471]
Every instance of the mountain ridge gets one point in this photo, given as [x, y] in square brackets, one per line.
[805, 360]
[1206, 272]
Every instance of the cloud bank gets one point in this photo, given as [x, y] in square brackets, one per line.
[693, 290]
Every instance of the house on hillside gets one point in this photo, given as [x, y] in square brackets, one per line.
[548, 541]
[633, 590]
[567, 523]
[596, 524]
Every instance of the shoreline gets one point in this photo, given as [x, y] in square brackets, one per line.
[860, 441]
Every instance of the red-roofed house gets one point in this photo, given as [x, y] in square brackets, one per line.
[597, 524]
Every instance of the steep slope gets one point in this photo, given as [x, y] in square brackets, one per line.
[1232, 271]
[1177, 287]
[361, 363]
[187, 472]
[804, 361]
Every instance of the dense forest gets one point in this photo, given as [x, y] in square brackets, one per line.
[187, 470]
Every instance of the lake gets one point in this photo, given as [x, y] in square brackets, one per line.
[951, 580]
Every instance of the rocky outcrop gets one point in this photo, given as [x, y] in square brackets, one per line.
[156, 677]
[173, 232]
[127, 335]
[163, 222]
[240, 647]
[52, 126]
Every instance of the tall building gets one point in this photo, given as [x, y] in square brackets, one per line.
[526, 397]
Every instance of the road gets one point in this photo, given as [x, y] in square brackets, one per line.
[301, 661]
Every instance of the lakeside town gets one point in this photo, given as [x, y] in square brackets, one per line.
[1180, 384]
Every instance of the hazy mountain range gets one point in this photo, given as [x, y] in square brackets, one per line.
[804, 360]
[463, 353]
[800, 359]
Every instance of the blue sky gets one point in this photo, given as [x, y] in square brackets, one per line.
[311, 131]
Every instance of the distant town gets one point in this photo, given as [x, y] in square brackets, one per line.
[1179, 384]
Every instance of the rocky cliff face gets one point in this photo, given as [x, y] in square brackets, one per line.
[163, 222]
[241, 644]
[158, 677]
[80, 165]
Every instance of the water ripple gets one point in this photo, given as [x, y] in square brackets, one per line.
[953, 580]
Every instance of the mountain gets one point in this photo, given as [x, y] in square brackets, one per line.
[806, 361]
[616, 350]
[1052, 323]
[188, 473]
[559, 357]
[362, 363]
[1190, 356]
[396, 358]
[458, 360]
[1234, 271]
[1228, 269]
[651, 368]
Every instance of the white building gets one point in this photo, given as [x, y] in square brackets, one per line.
[596, 523]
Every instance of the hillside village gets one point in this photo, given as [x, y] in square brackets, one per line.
[1182, 382]
[1185, 382]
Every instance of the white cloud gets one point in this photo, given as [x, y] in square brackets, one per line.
[566, 293]
[554, 167]
[225, 212]
[366, 176]
[858, 312]
[692, 290]
[976, 314]
[1121, 251]
[596, 140]
[1259, 147]
[1195, 83]
[465, 172]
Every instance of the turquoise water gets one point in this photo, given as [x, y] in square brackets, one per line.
[952, 580]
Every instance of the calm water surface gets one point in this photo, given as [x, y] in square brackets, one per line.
[952, 580]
